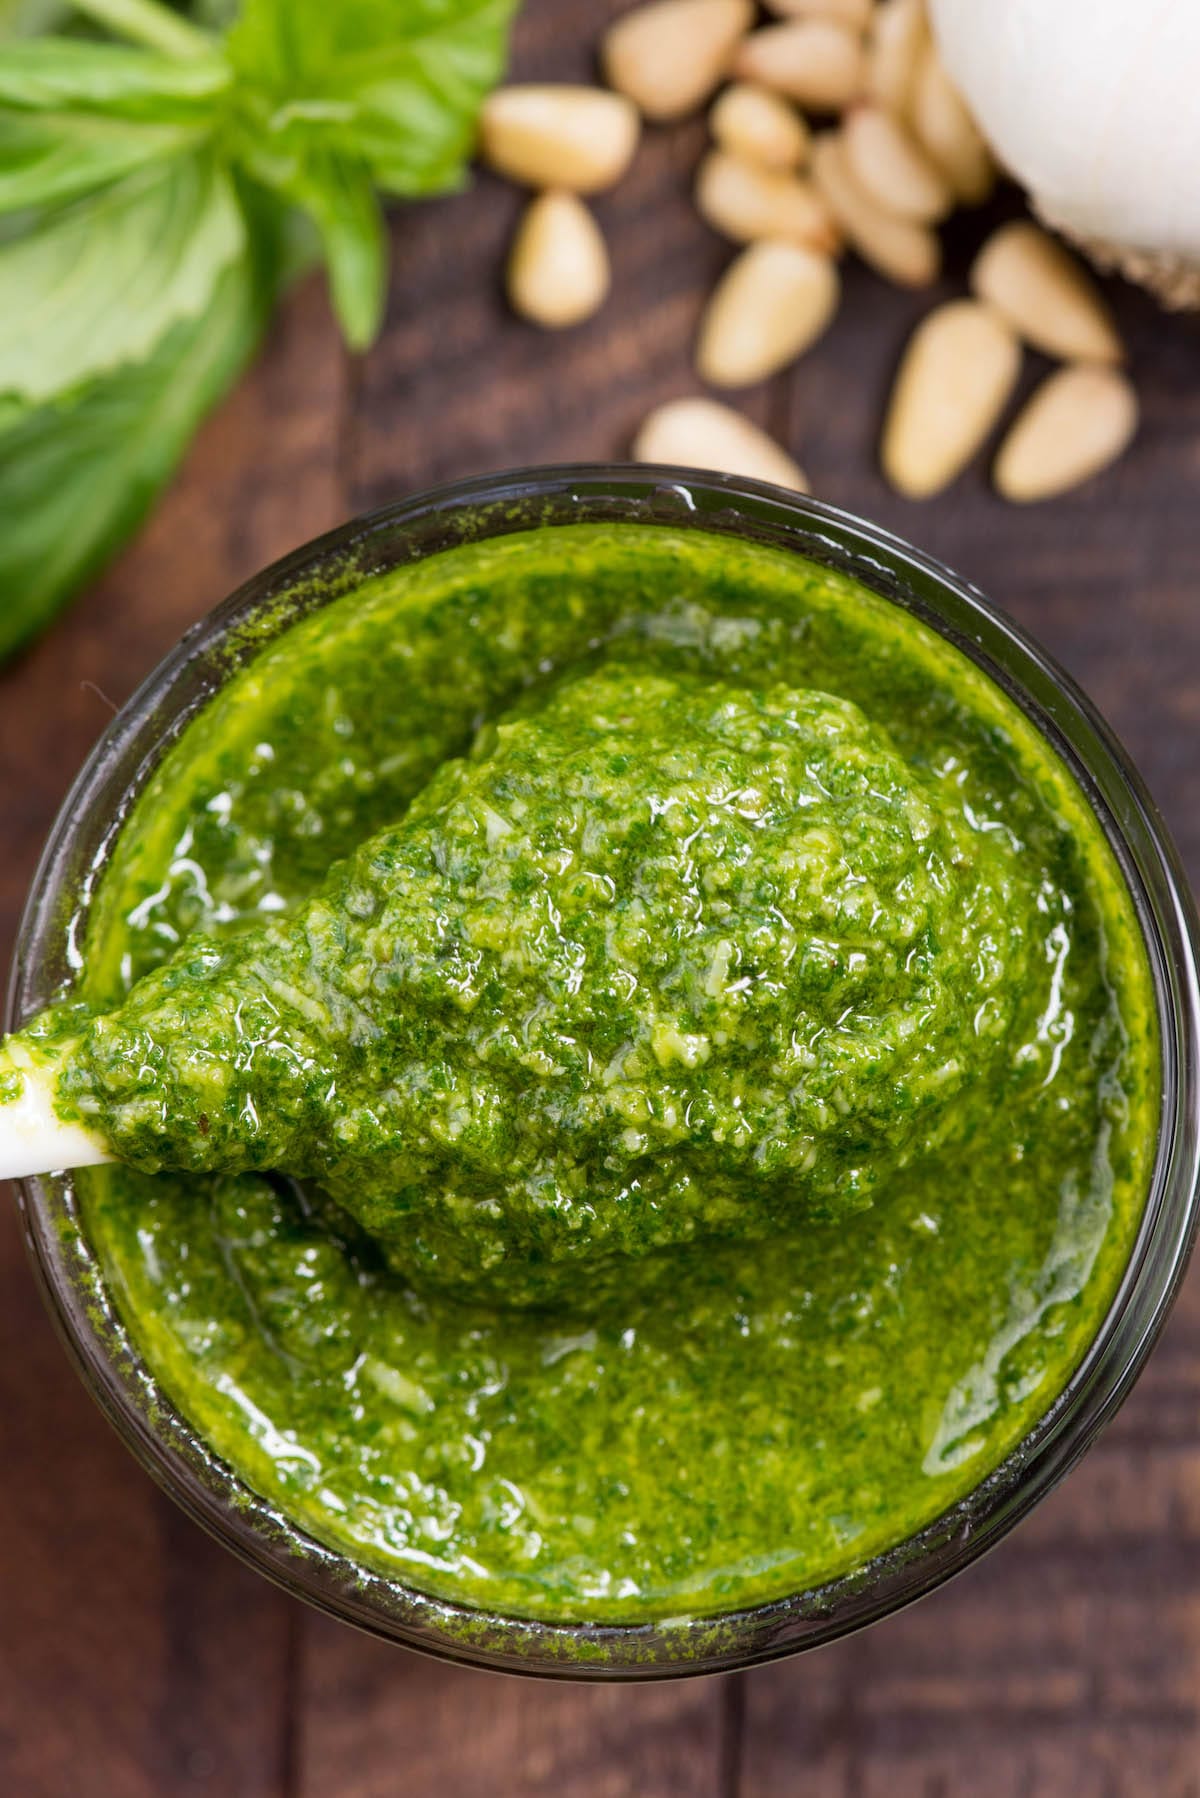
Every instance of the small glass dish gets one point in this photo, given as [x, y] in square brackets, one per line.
[48, 950]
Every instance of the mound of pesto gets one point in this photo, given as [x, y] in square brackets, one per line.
[661, 958]
[635, 1066]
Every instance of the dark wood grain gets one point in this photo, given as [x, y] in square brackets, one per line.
[135, 1657]
[404, 1724]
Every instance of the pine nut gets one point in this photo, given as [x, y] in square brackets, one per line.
[954, 381]
[700, 433]
[905, 252]
[759, 126]
[854, 13]
[895, 46]
[580, 138]
[816, 62]
[892, 168]
[943, 125]
[558, 272]
[1045, 294]
[669, 56]
[771, 303]
[745, 202]
[1078, 421]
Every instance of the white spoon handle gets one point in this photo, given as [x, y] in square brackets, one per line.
[33, 1139]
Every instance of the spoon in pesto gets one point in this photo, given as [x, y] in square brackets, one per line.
[662, 958]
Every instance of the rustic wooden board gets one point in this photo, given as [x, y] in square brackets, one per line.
[137, 1658]
[406, 1724]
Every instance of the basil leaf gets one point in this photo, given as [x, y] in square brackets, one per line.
[77, 478]
[340, 199]
[394, 84]
[215, 15]
[68, 74]
[49, 158]
[28, 18]
[142, 238]
[23, 18]
[98, 283]
[76, 115]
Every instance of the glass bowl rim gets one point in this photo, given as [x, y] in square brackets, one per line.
[215, 1496]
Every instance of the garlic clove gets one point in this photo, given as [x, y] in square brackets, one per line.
[1077, 422]
[1091, 105]
[702, 433]
[668, 56]
[771, 303]
[745, 203]
[816, 62]
[759, 126]
[558, 269]
[955, 378]
[945, 128]
[580, 138]
[892, 168]
[905, 252]
[1045, 294]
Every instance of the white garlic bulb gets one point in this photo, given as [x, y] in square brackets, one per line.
[1091, 105]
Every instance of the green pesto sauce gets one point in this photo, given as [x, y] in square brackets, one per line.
[728, 1074]
[664, 958]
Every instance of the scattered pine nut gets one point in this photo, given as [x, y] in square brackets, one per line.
[905, 252]
[943, 125]
[759, 126]
[1078, 421]
[1046, 294]
[905, 154]
[668, 56]
[558, 270]
[954, 381]
[854, 13]
[700, 433]
[745, 202]
[771, 303]
[580, 138]
[892, 168]
[895, 46]
[816, 62]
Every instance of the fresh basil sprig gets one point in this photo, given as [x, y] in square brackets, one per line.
[150, 192]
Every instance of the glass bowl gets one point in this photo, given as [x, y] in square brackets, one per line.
[49, 950]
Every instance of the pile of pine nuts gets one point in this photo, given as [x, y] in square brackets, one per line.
[897, 155]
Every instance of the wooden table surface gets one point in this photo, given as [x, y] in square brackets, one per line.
[136, 1657]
